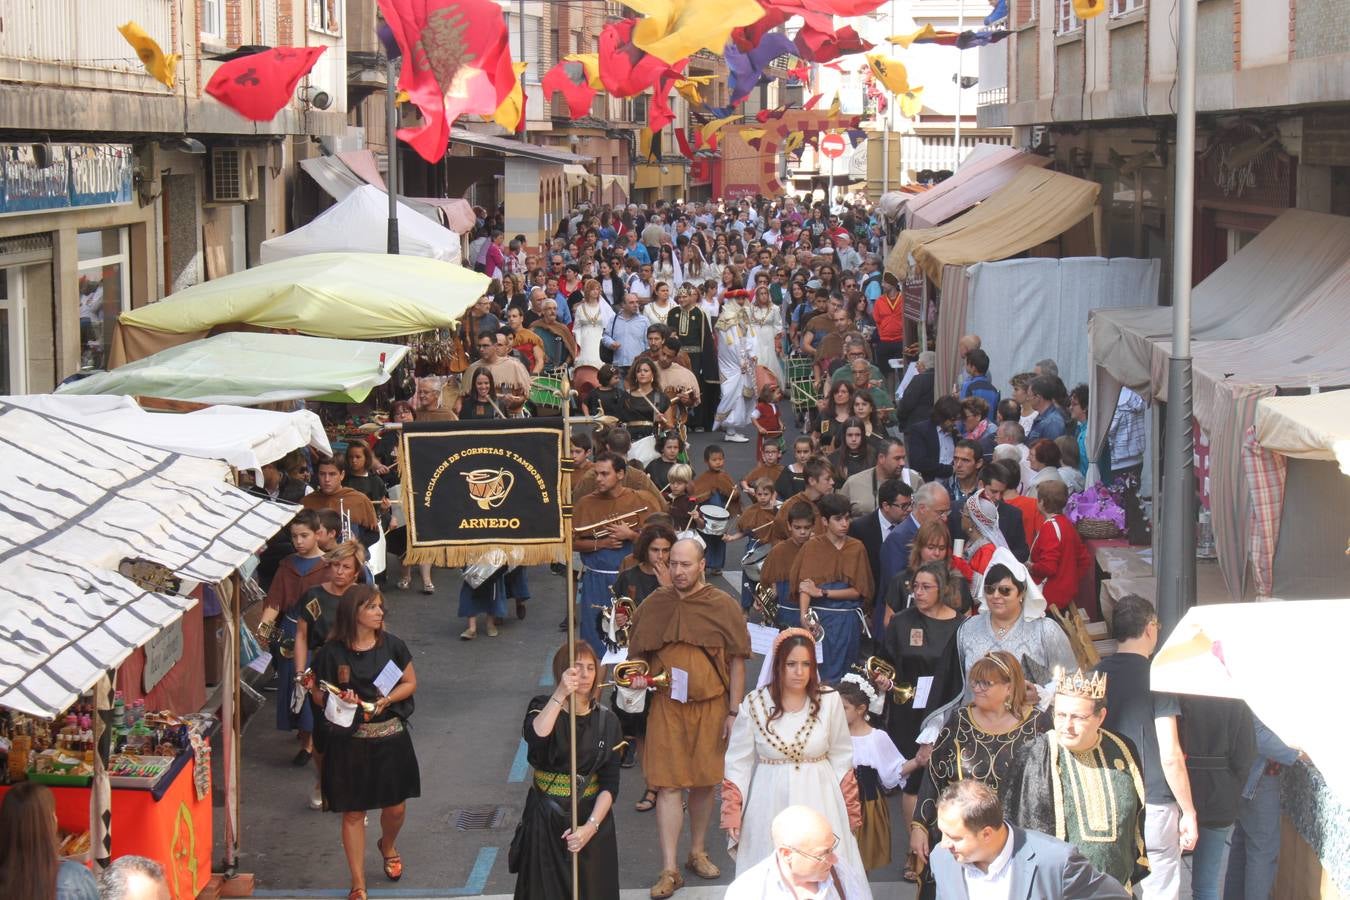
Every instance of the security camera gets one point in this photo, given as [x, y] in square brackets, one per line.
[315, 97]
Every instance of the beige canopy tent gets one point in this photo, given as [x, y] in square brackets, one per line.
[981, 174]
[1312, 426]
[1270, 319]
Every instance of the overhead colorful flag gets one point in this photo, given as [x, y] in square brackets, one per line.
[682, 140]
[257, 86]
[163, 67]
[746, 68]
[818, 46]
[890, 72]
[625, 69]
[717, 125]
[672, 30]
[910, 102]
[688, 88]
[659, 113]
[904, 40]
[569, 78]
[456, 61]
[1088, 9]
[590, 62]
[511, 113]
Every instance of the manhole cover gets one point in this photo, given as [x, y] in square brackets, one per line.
[478, 818]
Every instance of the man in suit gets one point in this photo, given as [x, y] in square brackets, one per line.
[916, 402]
[872, 529]
[932, 442]
[930, 502]
[982, 856]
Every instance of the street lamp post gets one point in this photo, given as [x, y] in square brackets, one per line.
[391, 142]
[1176, 572]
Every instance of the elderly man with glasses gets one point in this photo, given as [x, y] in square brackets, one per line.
[805, 863]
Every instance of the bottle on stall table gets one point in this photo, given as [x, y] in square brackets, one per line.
[138, 710]
[119, 711]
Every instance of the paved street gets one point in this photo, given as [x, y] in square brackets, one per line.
[470, 700]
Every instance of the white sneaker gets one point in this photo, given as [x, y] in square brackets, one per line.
[735, 438]
[316, 797]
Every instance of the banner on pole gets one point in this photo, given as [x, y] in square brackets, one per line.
[472, 486]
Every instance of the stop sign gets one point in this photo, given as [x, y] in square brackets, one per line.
[832, 146]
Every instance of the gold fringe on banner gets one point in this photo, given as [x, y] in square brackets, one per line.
[456, 557]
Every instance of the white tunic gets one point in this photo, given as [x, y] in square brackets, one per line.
[588, 327]
[769, 781]
[735, 352]
[766, 323]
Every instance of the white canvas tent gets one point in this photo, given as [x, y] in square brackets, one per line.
[1274, 316]
[358, 223]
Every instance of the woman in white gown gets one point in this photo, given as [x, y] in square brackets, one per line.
[590, 318]
[736, 365]
[766, 327]
[790, 745]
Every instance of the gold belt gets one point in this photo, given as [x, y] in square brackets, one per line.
[559, 784]
[792, 762]
[378, 729]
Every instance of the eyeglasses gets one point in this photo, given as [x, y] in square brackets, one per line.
[1003, 590]
[822, 857]
[979, 687]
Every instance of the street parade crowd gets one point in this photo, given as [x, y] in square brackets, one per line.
[904, 555]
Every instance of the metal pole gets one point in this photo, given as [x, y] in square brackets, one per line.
[391, 142]
[566, 501]
[1176, 572]
[960, 58]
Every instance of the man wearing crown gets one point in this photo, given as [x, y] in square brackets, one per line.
[1082, 783]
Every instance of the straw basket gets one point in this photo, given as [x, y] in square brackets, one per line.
[1097, 529]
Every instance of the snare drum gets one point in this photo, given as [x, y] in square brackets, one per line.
[715, 519]
[753, 561]
[546, 393]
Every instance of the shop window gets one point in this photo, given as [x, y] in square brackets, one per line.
[104, 289]
[1066, 20]
[1121, 7]
[325, 16]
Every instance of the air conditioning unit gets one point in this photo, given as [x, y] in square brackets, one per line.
[234, 175]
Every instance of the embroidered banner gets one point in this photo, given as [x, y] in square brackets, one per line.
[472, 486]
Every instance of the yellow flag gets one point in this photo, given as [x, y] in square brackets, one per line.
[670, 30]
[590, 64]
[1088, 9]
[889, 72]
[401, 98]
[910, 102]
[716, 125]
[834, 105]
[508, 114]
[751, 134]
[163, 68]
[793, 141]
[688, 86]
[904, 40]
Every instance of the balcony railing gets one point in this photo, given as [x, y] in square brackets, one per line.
[992, 97]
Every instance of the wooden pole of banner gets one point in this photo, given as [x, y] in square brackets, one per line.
[565, 502]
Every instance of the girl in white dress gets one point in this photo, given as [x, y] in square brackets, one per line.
[736, 365]
[590, 319]
[790, 745]
[766, 328]
[878, 766]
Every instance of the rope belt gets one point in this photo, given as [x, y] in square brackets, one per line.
[791, 762]
[559, 784]
[378, 729]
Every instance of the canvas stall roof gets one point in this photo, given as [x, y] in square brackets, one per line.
[979, 176]
[243, 438]
[358, 223]
[335, 295]
[1036, 206]
[341, 174]
[1312, 426]
[77, 501]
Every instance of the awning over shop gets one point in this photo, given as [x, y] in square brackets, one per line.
[608, 181]
[1036, 206]
[358, 223]
[1314, 426]
[243, 438]
[76, 502]
[337, 295]
[246, 368]
[980, 175]
[577, 176]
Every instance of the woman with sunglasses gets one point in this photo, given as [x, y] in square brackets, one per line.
[920, 642]
[979, 741]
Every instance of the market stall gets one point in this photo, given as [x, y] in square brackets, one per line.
[985, 169]
[358, 223]
[97, 573]
[248, 368]
[334, 295]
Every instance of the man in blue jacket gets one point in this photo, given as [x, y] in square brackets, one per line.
[1254, 853]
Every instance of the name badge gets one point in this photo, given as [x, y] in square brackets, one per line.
[916, 637]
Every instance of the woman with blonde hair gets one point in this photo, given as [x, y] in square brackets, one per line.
[979, 741]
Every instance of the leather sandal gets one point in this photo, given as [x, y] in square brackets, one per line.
[357, 894]
[647, 802]
[702, 866]
[393, 865]
[667, 883]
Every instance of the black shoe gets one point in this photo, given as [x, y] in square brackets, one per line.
[562, 626]
[557, 568]
[301, 758]
[629, 756]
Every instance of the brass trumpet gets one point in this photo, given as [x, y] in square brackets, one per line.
[876, 668]
[599, 529]
[613, 634]
[366, 707]
[765, 603]
[624, 673]
[811, 622]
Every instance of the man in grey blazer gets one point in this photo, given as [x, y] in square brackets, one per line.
[982, 857]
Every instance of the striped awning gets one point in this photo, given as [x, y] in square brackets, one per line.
[75, 503]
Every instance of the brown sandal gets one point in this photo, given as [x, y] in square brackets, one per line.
[393, 865]
[647, 802]
[357, 894]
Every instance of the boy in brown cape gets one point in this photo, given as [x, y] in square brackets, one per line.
[833, 578]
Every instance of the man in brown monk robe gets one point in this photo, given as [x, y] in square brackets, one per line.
[697, 635]
[619, 441]
[333, 495]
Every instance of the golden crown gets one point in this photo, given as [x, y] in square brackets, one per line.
[1091, 687]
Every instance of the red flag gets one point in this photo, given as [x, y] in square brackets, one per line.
[683, 140]
[659, 113]
[626, 69]
[257, 86]
[818, 46]
[569, 78]
[456, 61]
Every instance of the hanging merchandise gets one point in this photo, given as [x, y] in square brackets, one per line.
[259, 85]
